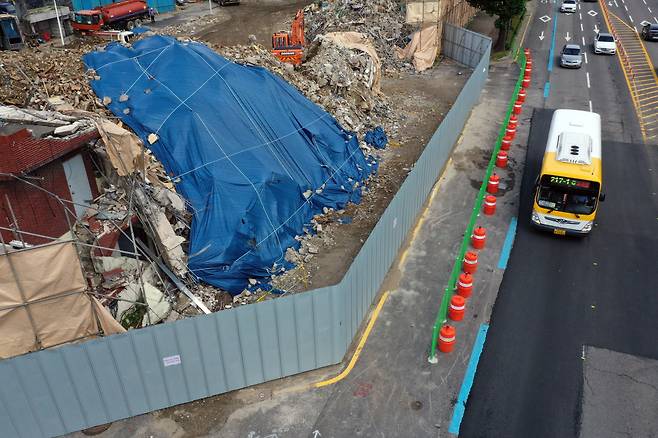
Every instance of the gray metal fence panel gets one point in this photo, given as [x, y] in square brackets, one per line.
[77, 386]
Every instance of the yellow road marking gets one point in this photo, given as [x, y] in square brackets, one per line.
[362, 343]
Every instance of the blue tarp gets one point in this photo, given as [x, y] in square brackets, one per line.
[254, 158]
[376, 137]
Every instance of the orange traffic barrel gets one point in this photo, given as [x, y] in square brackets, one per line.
[525, 83]
[506, 143]
[447, 337]
[479, 237]
[470, 264]
[501, 159]
[465, 284]
[517, 108]
[528, 62]
[457, 308]
[489, 205]
[513, 120]
[510, 131]
[527, 52]
[493, 183]
[528, 70]
[522, 95]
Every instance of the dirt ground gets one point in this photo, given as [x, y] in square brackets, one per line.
[424, 99]
[253, 17]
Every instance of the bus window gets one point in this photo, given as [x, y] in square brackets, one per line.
[567, 195]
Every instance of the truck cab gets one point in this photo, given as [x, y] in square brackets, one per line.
[10, 34]
[87, 20]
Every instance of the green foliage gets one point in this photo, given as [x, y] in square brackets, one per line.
[504, 9]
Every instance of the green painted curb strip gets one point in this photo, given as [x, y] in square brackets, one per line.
[456, 269]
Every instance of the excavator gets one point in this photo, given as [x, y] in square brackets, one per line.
[289, 46]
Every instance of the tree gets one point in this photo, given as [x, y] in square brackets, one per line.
[505, 10]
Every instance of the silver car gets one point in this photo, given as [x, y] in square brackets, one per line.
[572, 56]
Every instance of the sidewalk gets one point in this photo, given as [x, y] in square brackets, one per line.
[392, 390]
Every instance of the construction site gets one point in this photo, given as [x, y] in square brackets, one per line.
[172, 164]
[137, 231]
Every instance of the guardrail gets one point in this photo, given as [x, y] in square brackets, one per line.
[448, 292]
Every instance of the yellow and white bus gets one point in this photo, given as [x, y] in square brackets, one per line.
[568, 188]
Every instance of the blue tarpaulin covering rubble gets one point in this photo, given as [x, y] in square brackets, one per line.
[254, 158]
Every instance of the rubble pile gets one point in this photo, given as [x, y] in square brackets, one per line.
[29, 77]
[383, 21]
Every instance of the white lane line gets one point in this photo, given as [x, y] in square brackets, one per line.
[585, 53]
[579, 6]
[655, 19]
[635, 29]
[649, 10]
[629, 16]
[590, 106]
[626, 7]
[587, 73]
[581, 27]
[584, 37]
[616, 4]
[581, 15]
[623, 1]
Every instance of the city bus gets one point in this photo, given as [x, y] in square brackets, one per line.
[568, 189]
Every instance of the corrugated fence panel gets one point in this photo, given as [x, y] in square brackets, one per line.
[77, 386]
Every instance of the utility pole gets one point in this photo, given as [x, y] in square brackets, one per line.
[59, 23]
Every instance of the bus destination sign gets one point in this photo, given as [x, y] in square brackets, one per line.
[569, 182]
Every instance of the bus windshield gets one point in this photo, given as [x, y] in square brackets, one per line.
[568, 194]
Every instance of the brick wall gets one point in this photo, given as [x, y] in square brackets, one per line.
[35, 210]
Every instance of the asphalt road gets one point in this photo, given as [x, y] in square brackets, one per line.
[559, 296]
[636, 13]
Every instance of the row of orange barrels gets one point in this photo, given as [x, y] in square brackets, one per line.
[464, 287]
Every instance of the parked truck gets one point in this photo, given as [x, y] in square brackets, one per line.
[10, 34]
[126, 14]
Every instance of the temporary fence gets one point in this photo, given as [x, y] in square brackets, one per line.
[56, 391]
[441, 317]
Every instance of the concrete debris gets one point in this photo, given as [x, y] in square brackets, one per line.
[28, 78]
[383, 21]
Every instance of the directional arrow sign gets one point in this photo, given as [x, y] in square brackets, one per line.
[545, 18]
[316, 434]
[645, 22]
[567, 37]
[541, 37]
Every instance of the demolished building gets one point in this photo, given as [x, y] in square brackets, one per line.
[253, 157]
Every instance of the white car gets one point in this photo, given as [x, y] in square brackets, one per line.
[568, 6]
[605, 43]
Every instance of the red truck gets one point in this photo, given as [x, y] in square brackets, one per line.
[126, 14]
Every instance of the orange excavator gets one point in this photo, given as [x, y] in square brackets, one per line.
[289, 46]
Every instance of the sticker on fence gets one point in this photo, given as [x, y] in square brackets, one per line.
[171, 360]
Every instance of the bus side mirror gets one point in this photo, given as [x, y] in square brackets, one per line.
[602, 197]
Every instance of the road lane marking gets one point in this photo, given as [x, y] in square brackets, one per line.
[585, 53]
[587, 75]
[631, 17]
[583, 41]
[507, 245]
[590, 106]
[581, 15]
[581, 27]
[649, 10]
[469, 377]
[550, 54]
[547, 89]
[359, 348]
